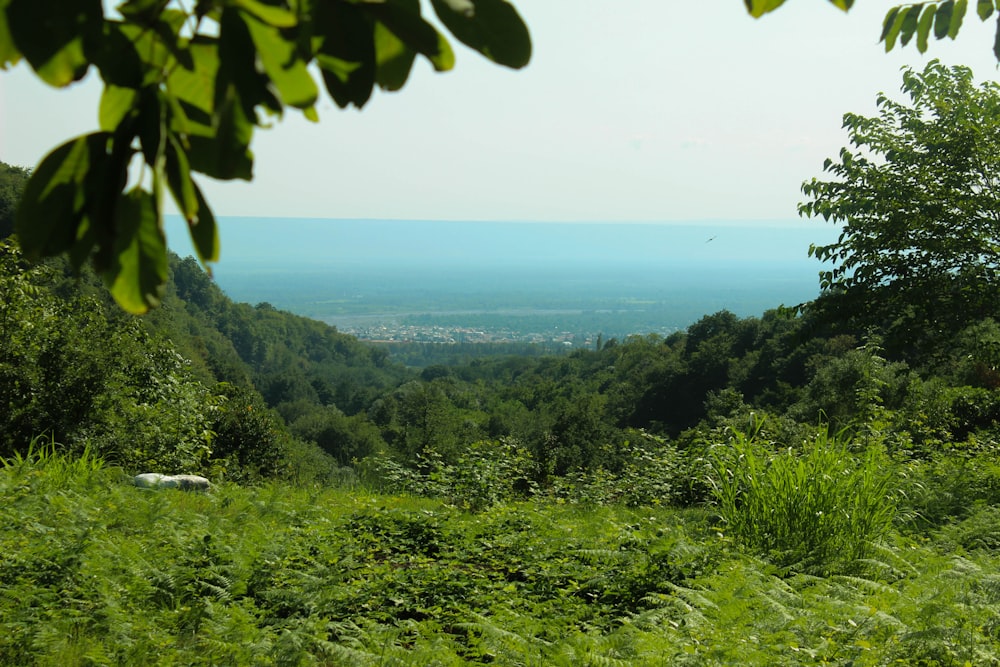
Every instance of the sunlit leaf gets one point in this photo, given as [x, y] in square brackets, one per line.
[494, 29]
[138, 271]
[51, 36]
[116, 104]
[282, 65]
[226, 154]
[194, 90]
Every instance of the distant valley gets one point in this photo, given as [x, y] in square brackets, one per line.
[503, 282]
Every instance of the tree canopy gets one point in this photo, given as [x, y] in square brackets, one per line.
[918, 196]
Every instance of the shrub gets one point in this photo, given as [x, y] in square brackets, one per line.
[485, 474]
[810, 508]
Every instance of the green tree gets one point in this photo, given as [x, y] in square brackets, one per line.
[916, 19]
[185, 84]
[12, 180]
[918, 196]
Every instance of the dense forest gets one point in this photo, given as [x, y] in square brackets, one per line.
[815, 485]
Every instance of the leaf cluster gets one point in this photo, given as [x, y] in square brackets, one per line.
[184, 89]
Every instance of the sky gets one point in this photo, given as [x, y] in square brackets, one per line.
[631, 110]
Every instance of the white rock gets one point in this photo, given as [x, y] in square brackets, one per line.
[155, 480]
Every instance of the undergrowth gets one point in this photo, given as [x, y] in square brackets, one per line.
[94, 571]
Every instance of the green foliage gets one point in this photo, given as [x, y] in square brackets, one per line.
[918, 253]
[822, 507]
[947, 487]
[487, 473]
[903, 22]
[68, 370]
[12, 180]
[184, 88]
[96, 571]
[250, 441]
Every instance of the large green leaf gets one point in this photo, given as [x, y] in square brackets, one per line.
[494, 28]
[282, 64]
[346, 52]
[51, 34]
[137, 273]
[116, 104]
[54, 198]
[194, 90]
[226, 154]
[239, 67]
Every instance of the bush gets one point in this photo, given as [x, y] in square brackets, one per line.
[485, 474]
[810, 508]
[250, 441]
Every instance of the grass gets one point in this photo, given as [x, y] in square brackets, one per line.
[94, 571]
[821, 507]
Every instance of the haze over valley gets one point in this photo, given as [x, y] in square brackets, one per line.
[566, 283]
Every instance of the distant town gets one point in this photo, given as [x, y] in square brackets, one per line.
[389, 332]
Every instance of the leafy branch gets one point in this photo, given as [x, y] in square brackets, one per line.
[184, 89]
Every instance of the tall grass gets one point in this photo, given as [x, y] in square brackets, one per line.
[818, 507]
[61, 467]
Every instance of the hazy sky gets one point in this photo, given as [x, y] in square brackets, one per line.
[631, 110]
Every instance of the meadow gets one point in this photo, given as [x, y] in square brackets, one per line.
[94, 571]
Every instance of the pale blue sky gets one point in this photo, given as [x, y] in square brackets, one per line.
[631, 110]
